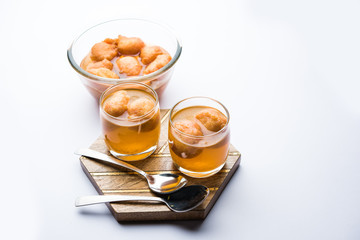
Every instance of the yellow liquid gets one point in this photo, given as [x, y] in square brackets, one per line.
[128, 137]
[202, 156]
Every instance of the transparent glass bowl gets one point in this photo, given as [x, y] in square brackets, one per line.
[152, 33]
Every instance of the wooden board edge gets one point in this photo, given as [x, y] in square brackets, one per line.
[131, 217]
[163, 216]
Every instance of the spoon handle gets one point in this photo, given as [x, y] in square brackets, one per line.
[89, 200]
[105, 158]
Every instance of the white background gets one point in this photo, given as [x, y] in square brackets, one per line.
[288, 71]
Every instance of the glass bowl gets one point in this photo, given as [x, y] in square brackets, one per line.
[152, 33]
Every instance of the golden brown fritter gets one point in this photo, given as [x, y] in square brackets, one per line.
[103, 72]
[103, 50]
[129, 46]
[116, 104]
[102, 64]
[149, 53]
[212, 119]
[183, 148]
[159, 62]
[129, 65]
[140, 107]
[188, 127]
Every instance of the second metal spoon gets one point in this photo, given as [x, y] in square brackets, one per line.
[183, 200]
[160, 183]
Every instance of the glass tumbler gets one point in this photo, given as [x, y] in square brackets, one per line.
[134, 134]
[199, 136]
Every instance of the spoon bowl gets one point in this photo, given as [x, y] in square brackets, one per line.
[182, 200]
[163, 183]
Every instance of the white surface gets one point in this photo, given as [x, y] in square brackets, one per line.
[287, 70]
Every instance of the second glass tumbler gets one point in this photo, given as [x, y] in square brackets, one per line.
[199, 136]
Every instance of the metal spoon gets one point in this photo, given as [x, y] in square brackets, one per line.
[182, 200]
[159, 183]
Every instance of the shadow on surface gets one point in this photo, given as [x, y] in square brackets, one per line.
[191, 225]
[95, 212]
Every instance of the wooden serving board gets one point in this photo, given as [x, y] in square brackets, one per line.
[109, 180]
